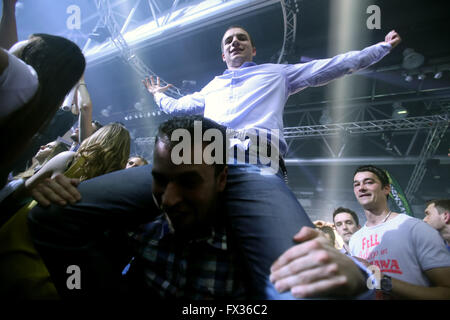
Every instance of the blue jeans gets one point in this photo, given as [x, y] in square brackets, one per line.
[262, 213]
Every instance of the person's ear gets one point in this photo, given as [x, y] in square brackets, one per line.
[387, 189]
[446, 216]
[254, 52]
[221, 181]
[223, 57]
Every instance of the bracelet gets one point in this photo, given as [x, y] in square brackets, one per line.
[82, 84]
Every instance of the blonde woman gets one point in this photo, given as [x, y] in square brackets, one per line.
[21, 268]
[44, 155]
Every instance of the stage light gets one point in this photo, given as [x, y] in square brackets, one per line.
[325, 117]
[438, 75]
[421, 76]
[412, 59]
[408, 78]
[106, 112]
[399, 111]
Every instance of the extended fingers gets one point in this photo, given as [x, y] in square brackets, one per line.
[307, 277]
[293, 253]
[44, 195]
[319, 288]
[66, 187]
[295, 268]
[59, 190]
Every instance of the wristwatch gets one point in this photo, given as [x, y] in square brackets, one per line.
[386, 284]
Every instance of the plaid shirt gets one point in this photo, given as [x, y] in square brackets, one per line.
[199, 269]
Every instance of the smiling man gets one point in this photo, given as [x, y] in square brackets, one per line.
[412, 258]
[185, 252]
[248, 95]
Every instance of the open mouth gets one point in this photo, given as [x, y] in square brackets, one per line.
[364, 195]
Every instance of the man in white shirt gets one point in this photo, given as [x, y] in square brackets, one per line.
[410, 255]
[250, 96]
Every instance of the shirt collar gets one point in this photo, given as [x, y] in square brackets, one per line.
[244, 65]
[216, 239]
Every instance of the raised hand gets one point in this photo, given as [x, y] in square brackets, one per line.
[153, 88]
[393, 38]
[314, 268]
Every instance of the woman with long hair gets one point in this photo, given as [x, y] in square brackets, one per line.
[44, 155]
[22, 271]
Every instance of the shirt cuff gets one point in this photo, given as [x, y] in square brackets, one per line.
[369, 294]
[158, 96]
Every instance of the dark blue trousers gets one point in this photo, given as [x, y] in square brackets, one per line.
[262, 214]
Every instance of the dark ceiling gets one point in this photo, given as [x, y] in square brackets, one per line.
[369, 96]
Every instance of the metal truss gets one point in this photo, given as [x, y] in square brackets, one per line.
[289, 9]
[104, 9]
[364, 127]
[107, 18]
[432, 142]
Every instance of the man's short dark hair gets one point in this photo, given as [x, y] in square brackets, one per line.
[442, 205]
[346, 210]
[166, 129]
[380, 173]
[240, 27]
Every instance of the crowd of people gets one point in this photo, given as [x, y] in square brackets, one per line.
[197, 221]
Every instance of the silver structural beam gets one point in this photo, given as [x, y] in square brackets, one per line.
[289, 9]
[104, 8]
[408, 96]
[185, 20]
[354, 161]
[362, 127]
[432, 142]
[130, 17]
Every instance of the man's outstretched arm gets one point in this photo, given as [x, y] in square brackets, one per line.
[320, 72]
[191, 103]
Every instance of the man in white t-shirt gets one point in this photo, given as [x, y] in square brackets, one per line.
[411, 258]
